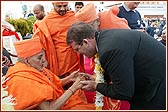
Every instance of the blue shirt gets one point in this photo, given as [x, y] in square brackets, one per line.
[132, 16]
[151, 31]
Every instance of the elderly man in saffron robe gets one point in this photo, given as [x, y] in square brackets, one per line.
[52, 32]
[36, 87]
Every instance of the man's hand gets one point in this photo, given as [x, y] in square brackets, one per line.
[89, 85]
[87, 76]
[73, 76]
[5, 61]
[76, 85]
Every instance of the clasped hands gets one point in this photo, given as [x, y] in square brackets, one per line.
[83, 81]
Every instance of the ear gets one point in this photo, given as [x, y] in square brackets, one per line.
[85, 41]
[26, 61]
[98, 21]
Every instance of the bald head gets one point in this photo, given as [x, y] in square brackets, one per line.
[39, 11]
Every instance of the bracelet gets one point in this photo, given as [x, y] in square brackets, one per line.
[71, 90]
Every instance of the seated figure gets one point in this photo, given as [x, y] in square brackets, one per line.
[36, 87]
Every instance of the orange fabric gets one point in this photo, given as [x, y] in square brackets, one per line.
[31, 87]
[29, 47]
[35, 25]
[111, 104]
[109, 19]
[52, 32]
[87, 13]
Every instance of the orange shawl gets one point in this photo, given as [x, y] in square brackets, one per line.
[31, 87]
[109, 19]
[52, 32]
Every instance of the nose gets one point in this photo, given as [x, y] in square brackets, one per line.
[45, 64]
[62, 8]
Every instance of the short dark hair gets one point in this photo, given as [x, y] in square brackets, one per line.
[79, 31]
[41, 7]
[153, 20]
[79, 3]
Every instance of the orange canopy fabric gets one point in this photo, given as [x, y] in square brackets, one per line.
[31, 87]
[29, 47]
[52, 32]
[86, 13]
[109, 19]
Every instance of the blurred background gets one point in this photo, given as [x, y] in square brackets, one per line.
[17, 9]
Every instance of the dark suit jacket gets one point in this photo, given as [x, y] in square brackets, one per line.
[136, 64]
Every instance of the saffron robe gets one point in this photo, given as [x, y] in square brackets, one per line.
[52, 31]
[31, 87]
[109, 19]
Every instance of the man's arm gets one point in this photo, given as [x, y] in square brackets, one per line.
[119, 66]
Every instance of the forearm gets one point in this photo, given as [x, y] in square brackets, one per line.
[65, 80]
[110, 91]
[56, 104]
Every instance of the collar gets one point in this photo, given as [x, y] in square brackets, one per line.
[127, 9]
[97, 35]
[96, 48]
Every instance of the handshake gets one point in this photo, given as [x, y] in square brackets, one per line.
[82, 81]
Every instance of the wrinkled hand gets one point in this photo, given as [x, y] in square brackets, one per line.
[76, 85]
[87, 76]
[7, 28]
[74, 75]
[89, 85]
[5, 61]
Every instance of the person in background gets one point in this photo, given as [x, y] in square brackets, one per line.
[78, 6]
[151, 30]
[99, 21]
[5, 65]
[30, 13]
[35, 87]
[132, 60]
[52, 32]
[7, 30]
[39, 11]
[129, 12]
[162, 24]
[163, 36]
[6, 24]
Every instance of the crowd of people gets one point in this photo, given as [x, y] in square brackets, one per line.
[84, 60]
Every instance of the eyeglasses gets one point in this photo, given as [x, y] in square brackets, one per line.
[78, 45]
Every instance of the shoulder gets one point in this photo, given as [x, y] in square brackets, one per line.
[121, 7]
[138, 13]
[115, 9]
[70, 13]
